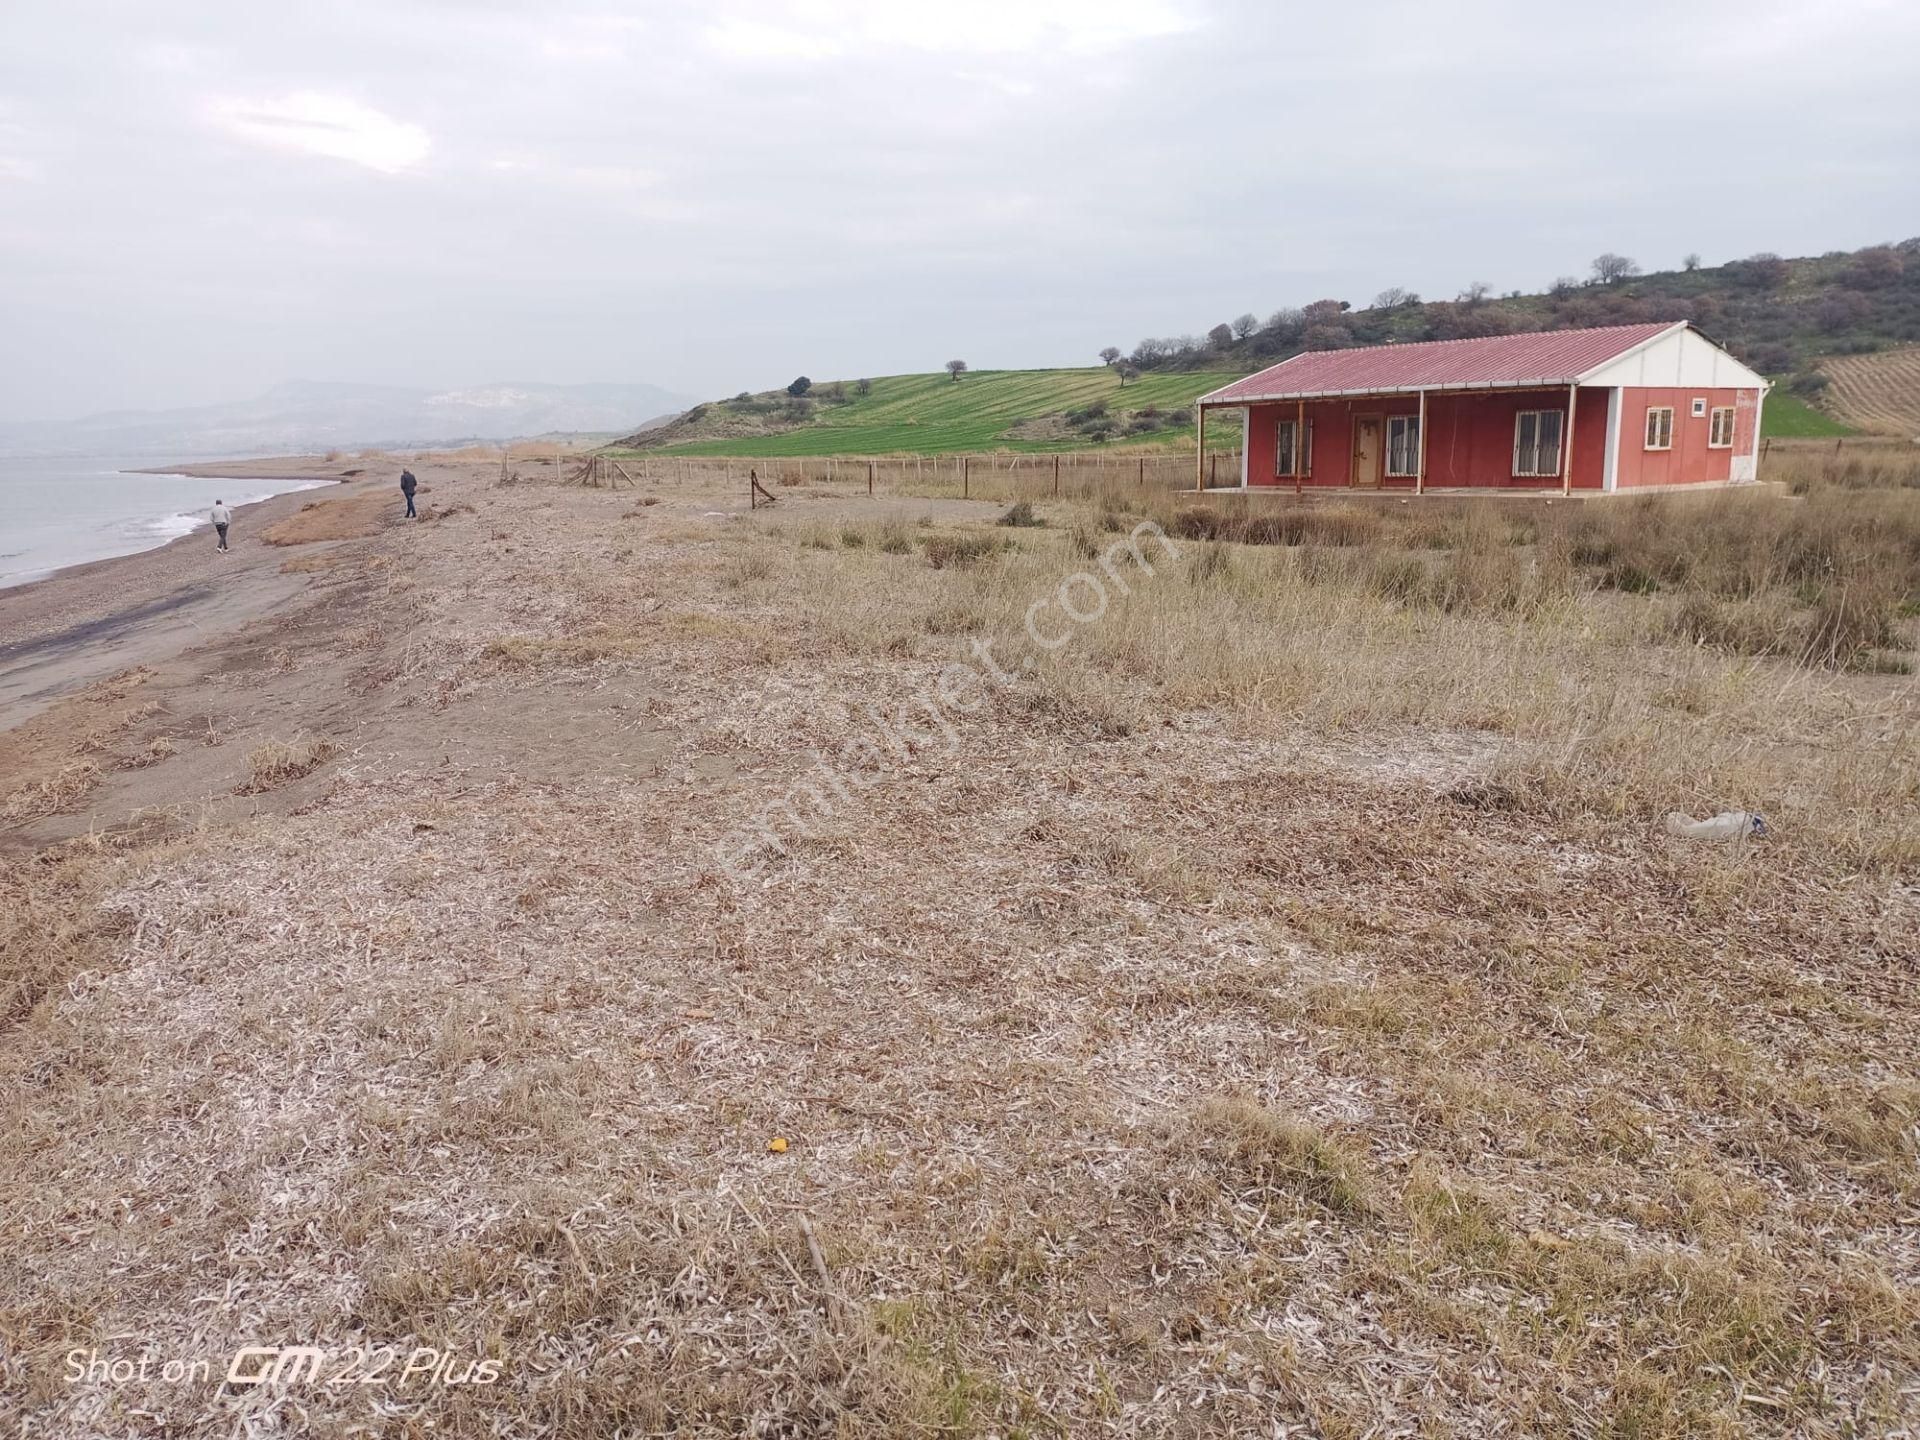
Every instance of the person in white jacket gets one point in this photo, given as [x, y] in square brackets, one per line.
[222, 517]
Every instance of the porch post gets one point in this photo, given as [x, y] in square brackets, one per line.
[1420, 461]
[1566, 461]
[1200, 449]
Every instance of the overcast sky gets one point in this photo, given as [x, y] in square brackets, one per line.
[198, 201]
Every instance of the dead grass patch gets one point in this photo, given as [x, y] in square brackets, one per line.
[1277, 1152]
[281, 762]
[65, 789]
[600, 643]
[950, 552]
[347, 517]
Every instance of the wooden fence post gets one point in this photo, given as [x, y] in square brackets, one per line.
[966, 475]
[1056, 477]
[869, 477]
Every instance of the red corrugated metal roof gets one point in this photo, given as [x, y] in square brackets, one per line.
[1543, 357]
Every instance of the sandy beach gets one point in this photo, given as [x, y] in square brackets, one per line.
[576, 932]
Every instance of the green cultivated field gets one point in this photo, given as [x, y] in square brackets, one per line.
[1791, 419]
[930, 414]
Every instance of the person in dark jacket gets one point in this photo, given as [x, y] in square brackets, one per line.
[407, 486]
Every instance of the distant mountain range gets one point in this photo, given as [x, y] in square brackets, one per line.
[307, 415]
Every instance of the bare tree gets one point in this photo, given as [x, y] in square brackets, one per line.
[1220, 336]
[1611, 269]
[1245, 325]
[1690, 261]
[956, 368]
[1564, 286]
[1393, 298]
[865, 387]
[1127, 371]
[1110, 354]
[1475, 294]
[1284, 325]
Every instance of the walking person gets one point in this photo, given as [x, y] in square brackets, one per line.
[407, 486]
[222, 517]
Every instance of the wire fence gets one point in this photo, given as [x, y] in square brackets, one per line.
[982, 476]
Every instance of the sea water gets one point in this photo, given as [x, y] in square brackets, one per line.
[67, 510]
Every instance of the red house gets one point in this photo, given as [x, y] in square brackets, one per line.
[1620, 407]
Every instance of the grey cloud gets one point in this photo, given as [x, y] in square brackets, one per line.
[194, 205]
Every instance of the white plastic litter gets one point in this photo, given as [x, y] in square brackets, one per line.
[1727, 825]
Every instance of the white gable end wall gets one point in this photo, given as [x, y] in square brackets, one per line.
[1683, 358]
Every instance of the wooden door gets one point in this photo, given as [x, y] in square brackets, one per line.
[1366, 451]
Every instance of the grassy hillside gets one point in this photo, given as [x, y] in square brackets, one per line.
[1796, 321]
[931, 414]
[1018, 410]
[1836, 331]
[1790, 418]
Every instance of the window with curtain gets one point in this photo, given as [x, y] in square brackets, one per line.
[1286, 450]
[1536, 442]
[1403, 445]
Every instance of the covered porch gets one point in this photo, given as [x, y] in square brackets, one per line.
[1487, 438]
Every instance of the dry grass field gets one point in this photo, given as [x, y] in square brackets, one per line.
[1878, 392]
[917, 966]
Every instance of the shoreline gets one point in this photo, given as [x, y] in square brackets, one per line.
[309, 476]
[82, 622]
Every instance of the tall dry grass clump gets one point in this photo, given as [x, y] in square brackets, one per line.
[1806, 468]
[1619, 698]
[280, 762]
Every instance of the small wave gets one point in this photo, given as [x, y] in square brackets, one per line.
[166, 527]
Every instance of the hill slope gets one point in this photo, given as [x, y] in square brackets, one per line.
[930, 414]
[1812, 324]
[1795, 321]
[1879, 392]
[1788, 417]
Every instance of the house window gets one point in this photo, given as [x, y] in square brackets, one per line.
[1720, 428]
[1699, 407]
[1536, 442]
[1403, 445]
[1659, 427]
[1285, 450]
